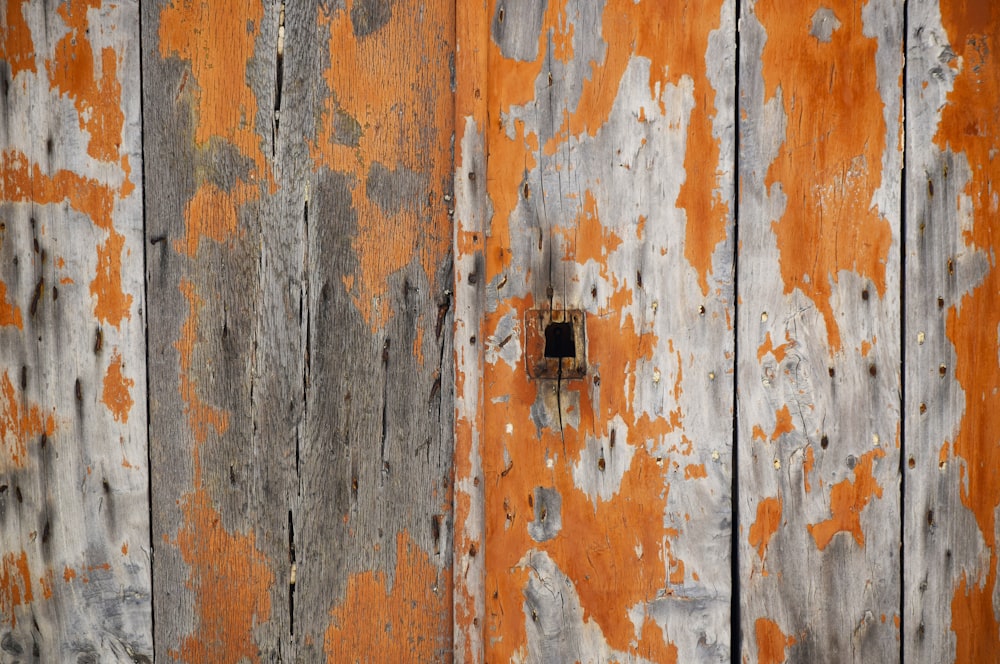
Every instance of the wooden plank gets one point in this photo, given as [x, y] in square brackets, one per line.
[74, 520]
[224, 337]
[609, 140]
[374, 554]
[300, 266]
[818, 330]
[952, 328]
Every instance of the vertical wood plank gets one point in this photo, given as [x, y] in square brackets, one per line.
[74, 520]
[374, 580]
[818, 330]
[224, 336]
[952, 332]
[609, 139]
[301, 266]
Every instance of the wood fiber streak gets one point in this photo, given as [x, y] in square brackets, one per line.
[953, 333]
[74, 519]
[609, 137]
[818, 377]
[299, 242]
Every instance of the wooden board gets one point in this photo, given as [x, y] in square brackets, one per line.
[601, 504]
[74, 515]
[952, 333]
[300, 358]
[818, 330]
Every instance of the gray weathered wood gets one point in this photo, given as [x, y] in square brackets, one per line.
[818, 330]
[74, 519]
[609, 143]
[952, 317]
[300, 354]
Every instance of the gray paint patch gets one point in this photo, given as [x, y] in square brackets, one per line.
[368, 16]
[824, 24]
[515, 29]
[548, 514]
[394, 190]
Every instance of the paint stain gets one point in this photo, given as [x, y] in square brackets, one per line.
[16, 44]
[201, 417]
[837, 133]
[765, 525]
[778, 352]
[97, 97]
[847, 500]
[117, 394]
[15, 585]
[783, 423]
[807, 467]
[390, 106]
[969, 125]
[230, 581]
[10, 314]
[771, 642]
[24, 182]
[213, 214]
[19, 424]
[399, 620]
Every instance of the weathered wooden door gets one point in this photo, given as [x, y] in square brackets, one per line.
[506, 330]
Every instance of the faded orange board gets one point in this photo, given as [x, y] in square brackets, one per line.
[299, 238]
[952, 333]
[74, 519]
[599, 505]
[818, 332]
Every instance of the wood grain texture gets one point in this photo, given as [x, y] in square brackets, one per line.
[609, 137]
[300, 268]
[74, 519]
[952, 333]
[819, 350]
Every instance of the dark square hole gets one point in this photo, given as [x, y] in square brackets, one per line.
[559, 340]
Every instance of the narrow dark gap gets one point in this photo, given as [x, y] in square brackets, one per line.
[735, 618]
[291, 575]
[145, 322]
[902, 347]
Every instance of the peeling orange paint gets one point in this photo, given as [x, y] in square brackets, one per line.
[72, 71]
[200, 416]
[695, 471]
[807, 467]
[783, 423]
[402, 133]
[116, 395]
[399, 620]
[766, 524]
[969, 126]
[213, 214]
[771, 642]
[847, 500]
[777, 351]
[24, 182]
[10, 314]
[15, 584]
[231, 583]
[16, 46]
[19, 423]
[835, 132]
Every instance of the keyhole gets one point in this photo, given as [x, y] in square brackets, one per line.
[559, 340]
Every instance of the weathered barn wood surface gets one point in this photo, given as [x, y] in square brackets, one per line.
[507, 330]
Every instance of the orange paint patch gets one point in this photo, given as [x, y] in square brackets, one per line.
[807, 467]
[835, 132]
[768, 347]
[22, 182]
[390, 115]
[18, 424]
[10, 314]
[230, 581]
[69, 573]
[398, 620]
[15, 584]
[117, 396]
[219, 43]
[969, 126]
[212, 214]
[783, 423]
[16, 46]
[766, 524]
[97, 98]
[771, 642]
[758, 433]
[695, 471]
[200, 416]
[847, 500]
